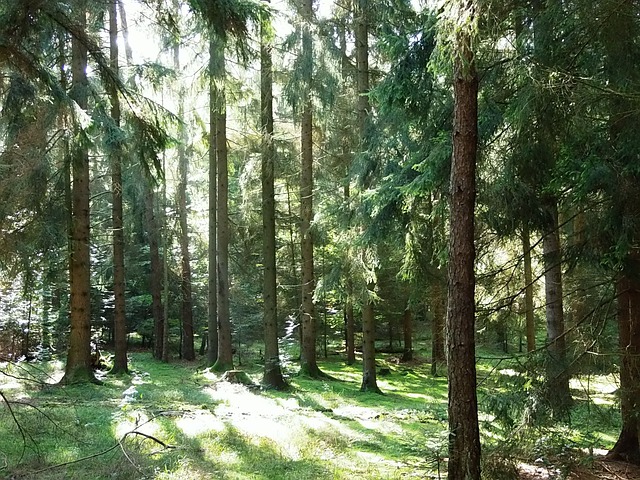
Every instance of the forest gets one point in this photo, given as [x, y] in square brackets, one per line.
[314, 239]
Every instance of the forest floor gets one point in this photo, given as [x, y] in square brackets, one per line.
[179, 421]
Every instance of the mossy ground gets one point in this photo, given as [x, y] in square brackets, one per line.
[178, 421]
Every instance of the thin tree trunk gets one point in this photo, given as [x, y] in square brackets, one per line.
[224, 361]
[187, 342]
[120, 320]
[558, 392]
[464, 437]
[308, 356]
[529, 306]
[212, 319]
[407, 333]
[78, 367]
[155, 274]
[350, 329]
[272, 377]
[439, 307]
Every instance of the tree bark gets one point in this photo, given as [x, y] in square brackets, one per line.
[350, 330]
[529, 306]
[212, 319]
[272, 377]
[369, 381]
[308, 355]
[439, 307]
[464, 437]
[558, 393]
[407, 331]
[120, 364]
[224, 361]
[155, 274]
[78, 367]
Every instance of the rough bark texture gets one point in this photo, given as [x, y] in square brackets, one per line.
[78, 367]
[212, 318]
[272, 377]
[369, 382]
[619, 36]
[464, 437]
[225, 348]
[120, 321]
[557, 382]
[529, 306]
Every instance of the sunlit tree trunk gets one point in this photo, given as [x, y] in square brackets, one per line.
[225, 349]
[464, 436]
[78, 367]
[120, 322]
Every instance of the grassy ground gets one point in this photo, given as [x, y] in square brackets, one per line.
[177, 421]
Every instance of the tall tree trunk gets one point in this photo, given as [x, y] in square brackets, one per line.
[272, 377]
[619, 36]
[78, 367]
[363, 108]
[464, 436]
[119, 315]
[529, 306]
[407, 333]
[308, 356]
[188, 348]
[558, 393]
[224, 361]
[212, 319]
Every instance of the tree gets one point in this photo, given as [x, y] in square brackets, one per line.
[224, 361]
[308, 361]
[212, 319]
[272, 377]
[464, 436]
[120, 322]
[78, 366]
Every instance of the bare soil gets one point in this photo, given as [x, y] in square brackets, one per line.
[601, 469]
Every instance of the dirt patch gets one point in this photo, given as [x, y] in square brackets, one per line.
[599, 470]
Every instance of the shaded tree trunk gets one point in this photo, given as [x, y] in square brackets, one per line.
[272, 377]
[438, 355]
[350, 330]
[369, 381]
[119, 315]
[529, 306]
[212, 318]
[78, 367]
[308, 355]
[407, 333]
[224, 361]
[558, 393]
[464, 437]
[155, 274]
